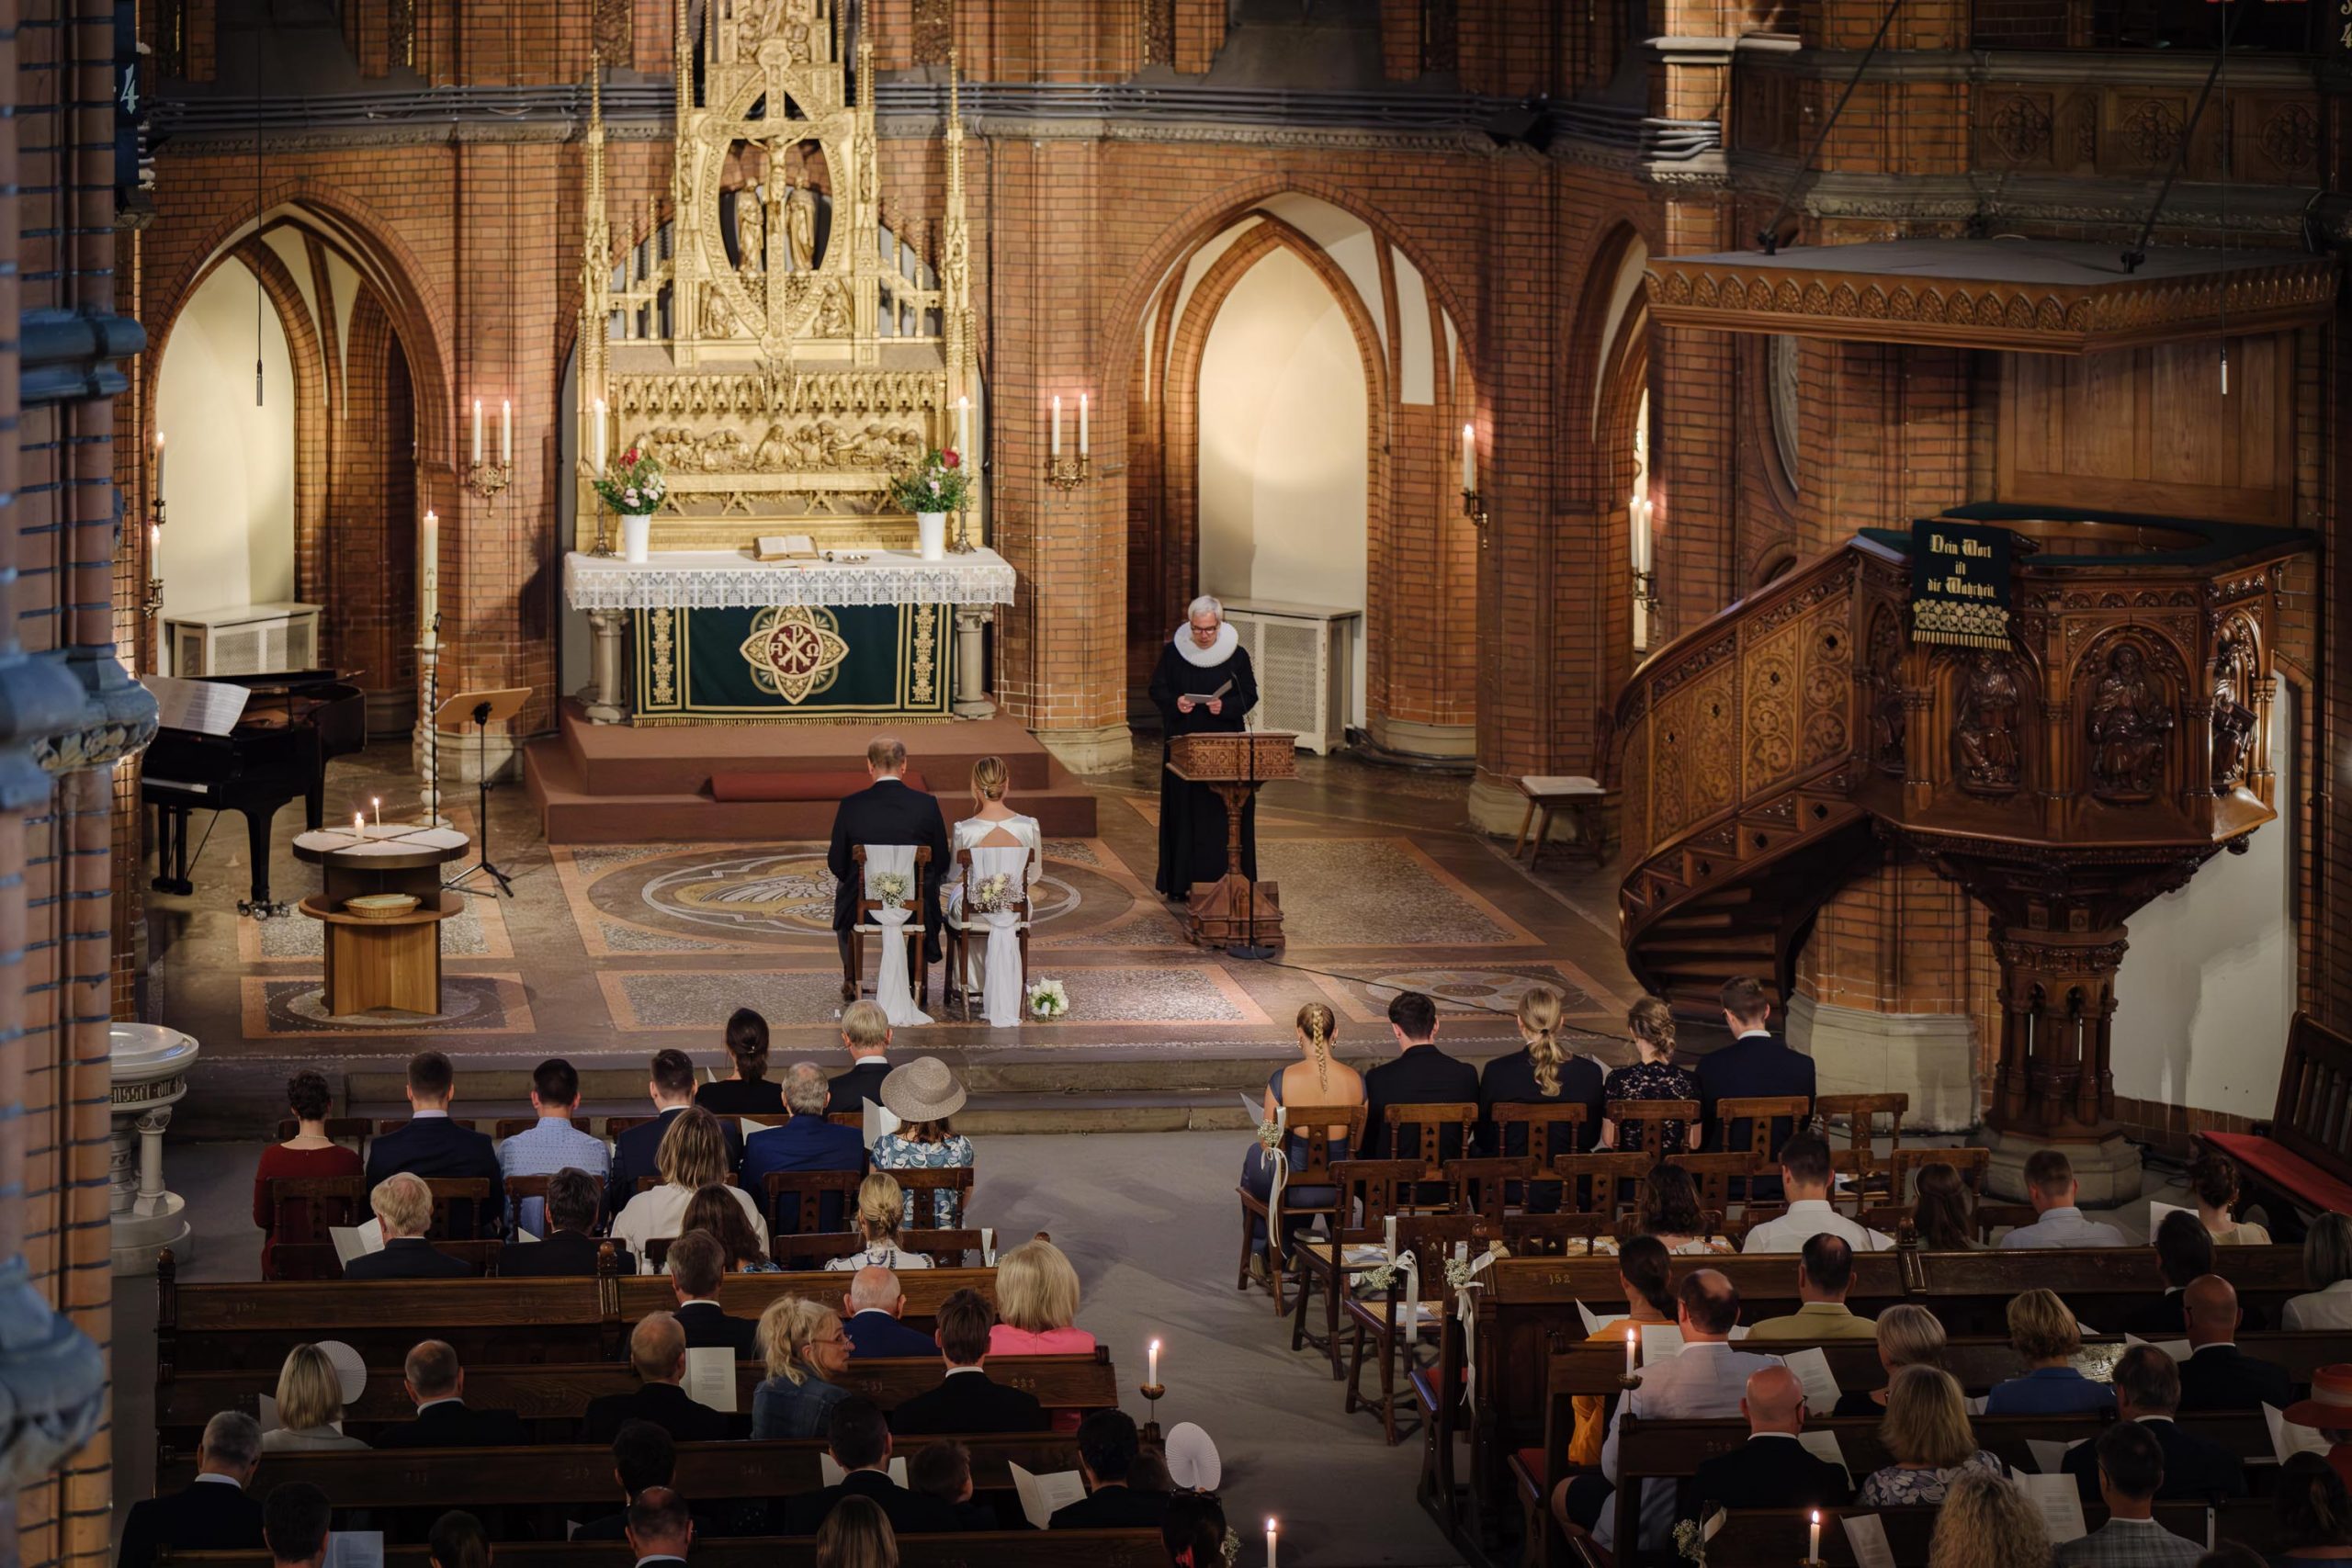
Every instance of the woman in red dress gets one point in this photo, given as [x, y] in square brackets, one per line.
[308, 1153]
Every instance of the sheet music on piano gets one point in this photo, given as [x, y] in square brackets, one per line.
[207, 707]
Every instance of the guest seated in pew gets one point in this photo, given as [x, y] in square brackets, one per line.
[294, 1519]
[2130, 1472]
[941, 1470]
[644, 1456]
[2328, 1268]
[432, 1145]
[866, 1035]
[1542, 1071]
[923, 1095]
[553, 1143]
[1943, 1216]
[1654, 1076]
[2197, 1469]
[697, 1263]
[1643, 1274]
[874, 1304]
[967, 1399]
[2232, 1554]
[1772, 1469]
[2058, 1220]
[659, 1529]
[1420, 1075]
[2184, 1252]
[1671, 1212]
[436, 1385]
[458, 1541]
[856, 1534]
[747, 1089]
[1107, 1448]
[1986, 1523]
[1193, 1530]
[2213, 1178]
[807, 1141]
[2218, 1375]
[805, 1351]
[1805, 1175]
[1908, 1336]
[859, 1439]
[1825, 1274]
[212, 1513]
[1708, 1378]
[657, 1350]
[692, 1155]
[1036, 1303]
[1927, 1430]
[714, 1211]
[637, 1150]
[881, 1213]
[310, 1154]
[2329, 1412]
[1754, 1065]
[310, 1405]
[404, 1206]
[569, 1250]
[2043, 1332]
[1316, 1078]
[2314, 1512]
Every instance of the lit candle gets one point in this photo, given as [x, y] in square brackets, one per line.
[1813, 1542]
[477, 430]
[358, 826]
[1269, 1543]
[155, 547]
[1081, 424]
[429, 547]
[964, 427]
[377, 801]
[1058, 425]
[1469, 458]
[601, 422]
[159, 462]
[1151, 1373]
[506, 433]
[1633, 1345]
[1641, 542]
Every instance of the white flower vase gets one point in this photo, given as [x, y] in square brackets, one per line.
[930, 530]
[637, 535]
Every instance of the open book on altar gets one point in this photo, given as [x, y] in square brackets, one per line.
[785, 547]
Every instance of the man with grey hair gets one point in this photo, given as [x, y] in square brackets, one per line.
[404, 1206]
[657, 1349]
[870, 1315]
[1203, 684]
[212, 1513]
[435, 1382]
[807, 1141]
[888, 812]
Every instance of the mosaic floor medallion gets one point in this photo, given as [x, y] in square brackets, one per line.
[1481, 990]
[474, 1004]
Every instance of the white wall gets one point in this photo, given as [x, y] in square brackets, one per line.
[1282, 433]
[229, 476]
[2207, 987]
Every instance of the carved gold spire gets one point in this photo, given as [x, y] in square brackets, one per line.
[595, 256]
[955, 252]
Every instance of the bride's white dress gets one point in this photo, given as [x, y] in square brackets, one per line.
[995, 970]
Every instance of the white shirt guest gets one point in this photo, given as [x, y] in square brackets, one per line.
[1804, 1176]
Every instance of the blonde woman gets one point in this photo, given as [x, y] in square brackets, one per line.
[807, 1351]
[1316, 1078]
[992, 825]
[2043, 1332]
[1542, 1071]
[1037, 1305]
[310, 1405]
[881, 1210]
[856, 1534]
[1986, 1523]
[1927, 1431]
[692, 1155]
[1908, 1336]
[1655, 1076]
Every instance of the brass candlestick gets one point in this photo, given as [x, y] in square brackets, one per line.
[486, 479]
[603, 549]
[1151, 1392]
[1069, 473]
[1474, 507]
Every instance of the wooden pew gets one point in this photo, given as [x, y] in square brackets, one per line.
[1970, 1291]
[2301, 1155]
[747, 1295]
[1774, 1538]
[1001, 1549]
[202, 1327]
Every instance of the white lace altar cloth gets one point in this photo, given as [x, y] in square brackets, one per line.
[730, 579]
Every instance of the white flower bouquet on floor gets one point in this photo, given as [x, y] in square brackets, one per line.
[1047, 999]
[888, 887]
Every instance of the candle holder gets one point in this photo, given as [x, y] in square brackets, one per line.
[961, 544]
[603, 548]
[1474, 507]
[1151, 1392]
[1069, 473]
[429, 651]
[486, 479]
[152, 605]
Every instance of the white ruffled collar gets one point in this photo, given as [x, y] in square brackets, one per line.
[1208, 657]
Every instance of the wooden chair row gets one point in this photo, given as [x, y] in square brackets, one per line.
[1001, 1549]
[357, 1130]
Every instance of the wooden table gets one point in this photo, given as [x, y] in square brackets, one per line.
[392, 964]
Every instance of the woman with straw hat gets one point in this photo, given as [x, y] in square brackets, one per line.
[923, 1094]
[2330, 1410]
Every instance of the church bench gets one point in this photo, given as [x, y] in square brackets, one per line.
[1773, 1537]
[2303, 1155]
[997, 1548]
[1970, 1291]
[515, 1322]
[747, 1295]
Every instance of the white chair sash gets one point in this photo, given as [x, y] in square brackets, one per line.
[1002, 980]
[893, 987]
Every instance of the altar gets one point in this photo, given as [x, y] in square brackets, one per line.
[714, 637]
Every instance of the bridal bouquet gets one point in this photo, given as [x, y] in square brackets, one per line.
[993, 894]
[1047, 999]
[888, 887]
[635, 485]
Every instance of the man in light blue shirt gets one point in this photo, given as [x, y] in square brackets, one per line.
[555, 1144]
[2058, 1222]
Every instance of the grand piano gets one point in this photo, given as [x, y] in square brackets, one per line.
[249, 744]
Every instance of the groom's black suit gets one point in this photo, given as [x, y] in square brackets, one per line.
[887, 811]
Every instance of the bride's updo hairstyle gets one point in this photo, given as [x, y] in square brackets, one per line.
[990, 777]
[1539, 1020]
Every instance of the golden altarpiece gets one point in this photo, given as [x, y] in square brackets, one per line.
[781, 361]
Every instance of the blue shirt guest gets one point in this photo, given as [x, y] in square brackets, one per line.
[807, 1141]
[806, 1349]
[2058, 1220]
[1754, 1065]
[2046, 1335]
[923, 1094]
[875, 1303]
[433, 1146]
[555, 1144]
[636, 1150]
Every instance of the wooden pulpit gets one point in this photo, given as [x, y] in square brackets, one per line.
[1233, 908]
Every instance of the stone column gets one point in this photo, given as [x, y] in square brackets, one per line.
[608, 696]
[150, 1066]
[972, 699]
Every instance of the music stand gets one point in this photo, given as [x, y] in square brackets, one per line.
[480, 709]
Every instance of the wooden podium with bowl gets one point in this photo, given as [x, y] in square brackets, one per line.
[382, 907]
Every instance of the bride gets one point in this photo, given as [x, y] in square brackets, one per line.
[992, 829]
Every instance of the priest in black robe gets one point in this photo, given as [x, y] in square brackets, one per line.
[1203, 684]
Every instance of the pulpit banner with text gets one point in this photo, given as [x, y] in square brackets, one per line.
[821, 663]
[1960, 584]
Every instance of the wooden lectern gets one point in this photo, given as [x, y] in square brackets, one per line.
[1233, 908]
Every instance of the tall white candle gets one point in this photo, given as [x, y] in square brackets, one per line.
[429, 547]
[376, 804]
[1470, 459]
[964, 428]
[603, 425]
[1058, 425]
[1151, 1374]
[159, 462]
[1813, 1542]
[1082, 445]
[477, 430]
[1269, 1543]
[1641, 540]
[155, 549]
[506, 432]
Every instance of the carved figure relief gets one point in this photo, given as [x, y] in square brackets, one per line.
[718, 315]
[1984, 737]
[832, 313]
[2128, 727]
[1888, 721]
[2234, 717]
[751, 235]
[800, 227]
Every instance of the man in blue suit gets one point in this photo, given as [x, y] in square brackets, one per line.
[432, 1145]
[807, 1141]
[1753, 1064]
[870, 1315]
[636, 1149]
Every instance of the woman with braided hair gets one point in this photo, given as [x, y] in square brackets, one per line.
[1542, 1072]
[1316, 1080]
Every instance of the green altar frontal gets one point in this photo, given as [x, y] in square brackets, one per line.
[787, 663]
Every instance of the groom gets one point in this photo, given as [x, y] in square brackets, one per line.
[888, 812]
